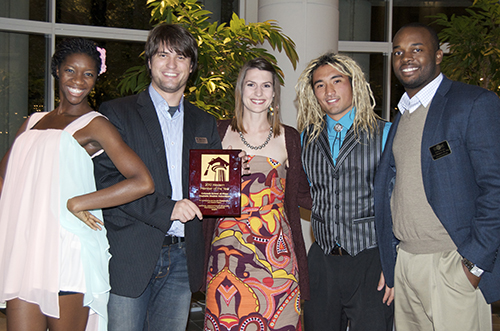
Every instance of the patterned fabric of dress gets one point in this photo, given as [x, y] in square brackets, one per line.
[252, 281]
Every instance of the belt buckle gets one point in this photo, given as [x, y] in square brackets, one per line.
[169, 240]
[337, 250]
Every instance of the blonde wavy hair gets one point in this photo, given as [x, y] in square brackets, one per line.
[311, 117]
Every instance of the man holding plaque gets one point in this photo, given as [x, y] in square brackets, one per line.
[342, 141]
[156, 242]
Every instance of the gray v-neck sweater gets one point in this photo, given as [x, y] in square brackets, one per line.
[414, 222]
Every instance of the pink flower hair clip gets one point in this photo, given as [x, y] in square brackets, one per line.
[102, 51]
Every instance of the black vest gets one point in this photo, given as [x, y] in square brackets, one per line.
[342, 194]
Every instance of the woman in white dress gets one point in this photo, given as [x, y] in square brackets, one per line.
[53, 247]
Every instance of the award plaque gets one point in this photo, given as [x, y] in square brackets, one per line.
[215, 181]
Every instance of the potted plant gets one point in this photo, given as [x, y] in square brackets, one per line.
[223, 49]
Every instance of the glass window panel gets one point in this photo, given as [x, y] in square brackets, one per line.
[397, 91]
[14, 9]
[38, 9]
[362, 20]
[22, 82]
[24, 9]
[222, 10]
[407, 11]
[373, 68]
[132, 14]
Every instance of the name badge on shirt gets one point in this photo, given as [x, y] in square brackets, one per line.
[201, 140]
[440, 150]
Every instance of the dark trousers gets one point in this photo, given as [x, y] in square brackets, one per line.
[345, 287]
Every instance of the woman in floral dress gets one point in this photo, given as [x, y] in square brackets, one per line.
[257, 269]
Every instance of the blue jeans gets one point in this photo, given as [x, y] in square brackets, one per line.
[165, 303]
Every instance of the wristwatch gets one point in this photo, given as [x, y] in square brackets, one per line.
[474, 269]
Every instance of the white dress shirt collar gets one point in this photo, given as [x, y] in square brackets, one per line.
[423, 97]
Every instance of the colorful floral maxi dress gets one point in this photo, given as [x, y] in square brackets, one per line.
[252, 281]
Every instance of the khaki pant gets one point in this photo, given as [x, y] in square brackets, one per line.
[432, 292]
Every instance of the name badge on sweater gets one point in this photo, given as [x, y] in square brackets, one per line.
[440, 150]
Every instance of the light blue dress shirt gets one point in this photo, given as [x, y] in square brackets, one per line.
[172, 130]
[346, 121]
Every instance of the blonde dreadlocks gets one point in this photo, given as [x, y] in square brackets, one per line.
[310, 116]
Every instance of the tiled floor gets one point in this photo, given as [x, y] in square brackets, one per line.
[197, 314]
[196, 317]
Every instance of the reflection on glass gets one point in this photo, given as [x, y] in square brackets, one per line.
[407, 11]
[21, 82]
[364, 20]
[222, 10]
[35, 10]
[131, 14]
[373, 68]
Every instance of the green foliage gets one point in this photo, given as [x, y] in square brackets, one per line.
[223, 49]
[474, 41]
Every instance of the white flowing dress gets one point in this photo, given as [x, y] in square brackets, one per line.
[44, 248]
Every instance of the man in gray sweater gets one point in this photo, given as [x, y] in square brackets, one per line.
[437, 194]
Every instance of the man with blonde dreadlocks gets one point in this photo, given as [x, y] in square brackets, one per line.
[342, 141]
